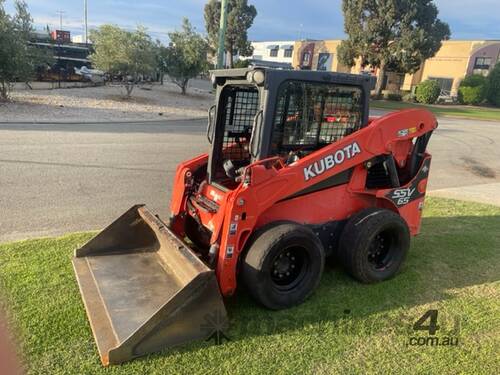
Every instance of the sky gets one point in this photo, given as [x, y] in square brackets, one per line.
[276, 19]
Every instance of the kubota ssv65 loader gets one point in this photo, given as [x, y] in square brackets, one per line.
[296, 172]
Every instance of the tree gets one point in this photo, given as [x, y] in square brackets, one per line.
[493, 86]
[186, 57]
[18, 58]
[395, 35]
[127, 54]
[240, 18]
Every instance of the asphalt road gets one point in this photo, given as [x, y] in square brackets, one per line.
[58, 178]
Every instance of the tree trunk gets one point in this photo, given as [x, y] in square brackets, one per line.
[4, 92]
[129, 87]
[230, 57]
[184, 86]
[380, 80]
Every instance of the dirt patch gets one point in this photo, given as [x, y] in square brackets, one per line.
[105, 103]
[131, 100]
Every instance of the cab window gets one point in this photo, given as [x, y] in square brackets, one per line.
[311, 115]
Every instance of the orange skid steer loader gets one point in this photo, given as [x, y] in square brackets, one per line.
[296, 172]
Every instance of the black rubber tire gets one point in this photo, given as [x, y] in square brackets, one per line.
[367, 232]
[263, 255]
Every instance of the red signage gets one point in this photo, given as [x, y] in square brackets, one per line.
[61, 36]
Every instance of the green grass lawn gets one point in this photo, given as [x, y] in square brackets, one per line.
[346, 327]
[470, 112]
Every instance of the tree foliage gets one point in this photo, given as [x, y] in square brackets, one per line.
[473, 80]
[242, 63]
[428, 92]
[493, 86]
[472, 89]
[240, 18]
[127, 54]
[186, 57]
[18, 58]
[395, 35]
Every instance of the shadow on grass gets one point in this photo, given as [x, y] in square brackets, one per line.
[451, 253]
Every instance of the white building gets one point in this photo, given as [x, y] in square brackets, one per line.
[275, 51]
[79, 39]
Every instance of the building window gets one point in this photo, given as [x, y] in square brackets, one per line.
[306, 57]
[325, 61]
[273, 52]
[482, 65]
[445, 84]
[481, 72]
[288, 52]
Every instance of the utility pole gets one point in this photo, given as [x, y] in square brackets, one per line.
[222, 34]
[85, 21]
[60, 12]
[59, 42]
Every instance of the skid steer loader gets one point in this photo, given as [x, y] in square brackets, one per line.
[296, 172]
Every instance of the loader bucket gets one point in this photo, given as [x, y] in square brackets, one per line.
[144, 289]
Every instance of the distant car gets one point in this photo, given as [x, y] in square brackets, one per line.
[93, 75]
[269, 64]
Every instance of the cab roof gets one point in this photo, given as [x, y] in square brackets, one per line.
[279, 75]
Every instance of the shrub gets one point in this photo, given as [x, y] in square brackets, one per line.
[393, 96]
[410, 97]
[493, 86]
[471, 95]
[472, 89]
[427, 92]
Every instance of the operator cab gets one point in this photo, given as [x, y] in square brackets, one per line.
[262, 113]
[238, 106]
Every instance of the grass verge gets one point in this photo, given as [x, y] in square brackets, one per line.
[346, 327]
[469, 112]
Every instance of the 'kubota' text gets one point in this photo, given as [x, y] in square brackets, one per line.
[329, 161]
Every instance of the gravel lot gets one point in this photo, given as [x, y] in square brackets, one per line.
[105, 103]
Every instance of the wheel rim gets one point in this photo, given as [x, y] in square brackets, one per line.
[289, 267]
[382, 249]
